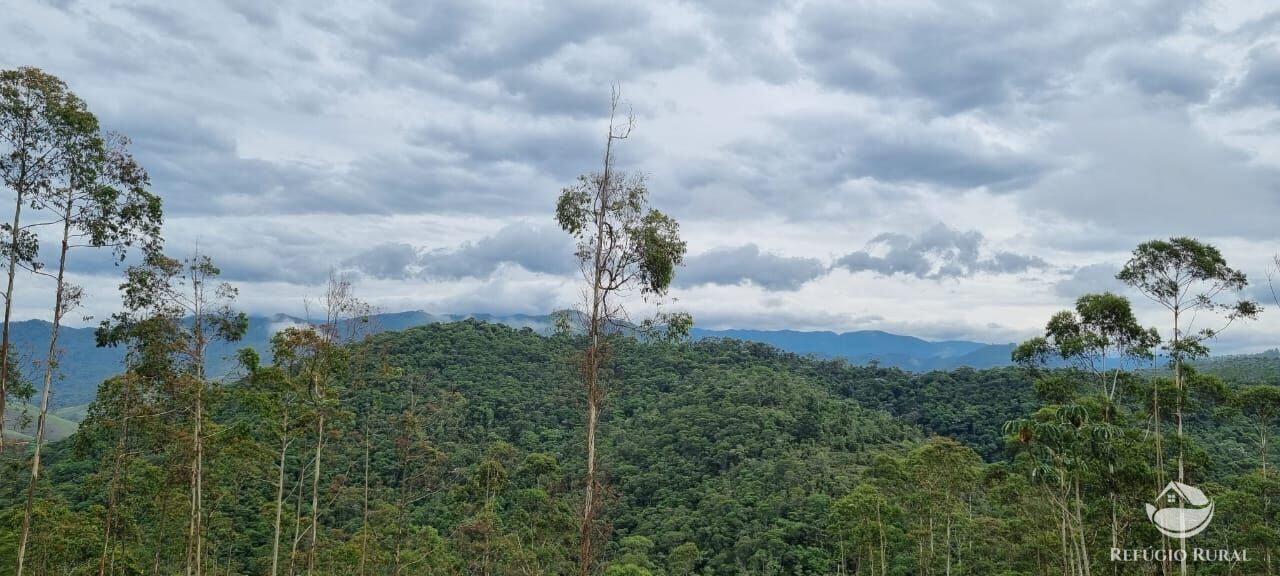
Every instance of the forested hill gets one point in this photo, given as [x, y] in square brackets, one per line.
[722, 446]
[457, 449]
[93, 365]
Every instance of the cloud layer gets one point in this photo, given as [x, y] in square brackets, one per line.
[824, 158]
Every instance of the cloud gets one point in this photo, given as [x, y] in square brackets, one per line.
[1090, 279]
[938, 253]
[968, 54]
[1260, 85]
[1166, 72]
[543, 250]
[405, 138]
[1149, 171]
[748, 264]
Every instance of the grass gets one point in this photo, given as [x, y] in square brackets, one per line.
[56, 427]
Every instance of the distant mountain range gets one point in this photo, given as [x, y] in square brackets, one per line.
[86, 365]
[866, 346]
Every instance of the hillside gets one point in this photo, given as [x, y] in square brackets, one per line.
[93, 365]
[722, 457]
[20, 423]
[684, 433]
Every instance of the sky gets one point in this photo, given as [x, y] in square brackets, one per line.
[948, 169]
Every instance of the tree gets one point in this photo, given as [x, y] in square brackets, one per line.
[38, 117]
[1187, 278]
[622, 245]
[1261, 404]
[278, 403]
[945, 473]
[103, 201]
[314, 355]
[181, 300]
[857, 522]
[683, 559]
[1060, 441]
[1101, 337]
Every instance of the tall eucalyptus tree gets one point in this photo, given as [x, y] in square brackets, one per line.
[622, 246]
[38, 117]
[102, 200]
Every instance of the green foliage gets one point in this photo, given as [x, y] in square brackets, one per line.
[724, 458]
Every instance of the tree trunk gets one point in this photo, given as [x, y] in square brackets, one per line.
[51, 365]
[195, 531]
[8, 310]
[883, 559]
[948, 544]
[588, 508]
[113, 490]
[364, 540]
[1084, 546]
[275, 541]
[315, 498]
[297, 522]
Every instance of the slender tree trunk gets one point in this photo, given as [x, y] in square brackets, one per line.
[1264, 435]
[1066, 552]
[8, 310]
[195, 543]
[594, 354]
[51, 365]
[588, 508]
[883, 560]
[1115, 523]
[297, 522]
[1084, 545]
[948, 544]
[364, 540]
[315, 498]
[195, 532]
[275, 540]
[113, 489]
[1181, 386]
[1178, 384]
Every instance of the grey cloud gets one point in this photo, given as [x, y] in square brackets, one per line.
[197, 168]
[541, 250]
[1260, 85]
[545, 250]
[748, 263]
[946, 163]
[264, 14]
[938, 253]
[548, 58]
[967, 54]
[393, 260]
[1090, 279]
[561, 148]
[499, 297]
[1147, 170]
[1165, 72]
[419, 182]
[813, 153]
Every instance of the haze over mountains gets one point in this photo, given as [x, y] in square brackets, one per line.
[92, 364]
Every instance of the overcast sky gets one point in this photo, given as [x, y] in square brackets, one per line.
[948, 169]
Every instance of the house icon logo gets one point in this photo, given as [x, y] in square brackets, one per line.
[1184, 511]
